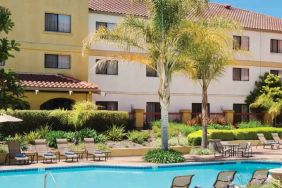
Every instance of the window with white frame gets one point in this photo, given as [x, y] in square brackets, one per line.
[2, 63]
[241, 43]
[55, 61]
[57, 23]
[240, 74]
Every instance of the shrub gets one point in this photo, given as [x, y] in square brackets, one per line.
[199, 151]
[90, 133]
[53, 135]
[221, 127]
[214, 120]
[174, 129]
[31, 137]
[178, 141]
[116, 133]
[251, 133]
[138, 136]
[161, 156]
[60, 120]
[236, 134]
[194, 139]
[102, 147]
[18, 138]
[85, 105]
[251, 124]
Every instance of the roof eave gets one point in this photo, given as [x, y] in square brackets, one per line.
[94, 90]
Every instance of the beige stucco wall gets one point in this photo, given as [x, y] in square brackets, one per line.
[35, 100]
[29, 19]
[132, 89]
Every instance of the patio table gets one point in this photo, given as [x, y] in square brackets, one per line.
[232, 147]
[79, 153]
[31, 155]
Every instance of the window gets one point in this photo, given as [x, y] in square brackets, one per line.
[240, 74]
[107, 105]
[150, 72]
[197, 109]
[105, 25]
[2, 63]
[57, 23]
[241, 113]
[277, 73]
[109, 67]
[241, 43]
[57, 61]
[276, 46]
[153, 111]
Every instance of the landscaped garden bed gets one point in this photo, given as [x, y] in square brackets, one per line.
[113, 131]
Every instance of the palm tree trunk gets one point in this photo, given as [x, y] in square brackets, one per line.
[204, 116]
[164, 94]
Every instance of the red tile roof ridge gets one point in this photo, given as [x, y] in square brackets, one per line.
[246, 10]
[247, 18]
[47, 81]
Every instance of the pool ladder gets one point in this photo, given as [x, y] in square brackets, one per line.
[52, 177]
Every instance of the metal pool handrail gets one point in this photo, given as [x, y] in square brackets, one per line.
[52, 177]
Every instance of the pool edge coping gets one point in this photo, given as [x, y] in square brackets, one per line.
[150, 166]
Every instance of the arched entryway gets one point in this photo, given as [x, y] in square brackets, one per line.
[58, 103]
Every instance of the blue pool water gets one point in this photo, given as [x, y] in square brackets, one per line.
[125, 177]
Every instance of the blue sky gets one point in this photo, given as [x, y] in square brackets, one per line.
[269, 7]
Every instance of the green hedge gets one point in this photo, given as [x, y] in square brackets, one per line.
[59, 120]
[237, 134]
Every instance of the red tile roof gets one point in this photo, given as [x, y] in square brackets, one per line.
[53, 82]
[248, 19]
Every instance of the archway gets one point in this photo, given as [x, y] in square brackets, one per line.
[58, 103]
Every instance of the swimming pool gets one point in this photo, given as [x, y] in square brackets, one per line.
[98, 176]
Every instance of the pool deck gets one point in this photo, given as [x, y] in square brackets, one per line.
[258, 154]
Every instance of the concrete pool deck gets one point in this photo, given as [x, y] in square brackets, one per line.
[258, 154]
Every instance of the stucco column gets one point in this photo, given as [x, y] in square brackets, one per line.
[229, 116]
[186, 115]
[139, 118]
[267, 119]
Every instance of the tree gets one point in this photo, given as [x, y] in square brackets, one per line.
[209, 48]
[10, 90]
[263, 81]
[157, 40]
[270, 98]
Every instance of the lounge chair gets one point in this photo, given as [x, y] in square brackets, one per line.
[90, 150]
[264, 142]
[220, 149]
[224, 179]
[277, 139]
[43, 151]
[245, 149]
[64, 150]
[259, 178]
[182, 181]
[16, 153]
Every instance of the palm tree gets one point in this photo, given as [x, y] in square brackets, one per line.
[209, 48]
[156, 38]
